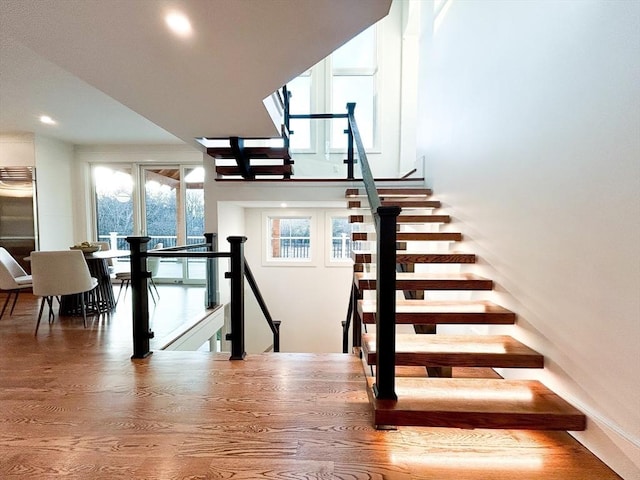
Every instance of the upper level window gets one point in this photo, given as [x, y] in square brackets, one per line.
[348, 75]
[300, 88]
[353, 79]
[289, 238]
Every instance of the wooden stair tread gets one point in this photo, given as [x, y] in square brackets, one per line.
[362, 256]
[428, 312]
[390, 192]
[257, 170]
[475, 403]
[427, 281]
[252, 152]
[404, 219]
[500, 351]
[411, 236]
[404, 203]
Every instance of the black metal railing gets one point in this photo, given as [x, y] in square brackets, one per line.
[385, 221]
[237, 273]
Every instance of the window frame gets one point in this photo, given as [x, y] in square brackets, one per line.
[328, 241]
[268, 260]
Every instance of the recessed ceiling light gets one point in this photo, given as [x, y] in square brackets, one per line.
[179, 24]
[47, 120]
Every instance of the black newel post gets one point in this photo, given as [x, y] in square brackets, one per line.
[237, 297]
[350, 157]
[139, 296]
[212, 294]
[386, 303]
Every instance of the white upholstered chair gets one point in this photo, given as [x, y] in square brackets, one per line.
[13, 278]
[58, 273]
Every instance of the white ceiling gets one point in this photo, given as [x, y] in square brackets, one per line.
[109, 71]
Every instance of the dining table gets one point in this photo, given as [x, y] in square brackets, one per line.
[102, 299]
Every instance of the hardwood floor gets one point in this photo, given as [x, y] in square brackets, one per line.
[73, 405]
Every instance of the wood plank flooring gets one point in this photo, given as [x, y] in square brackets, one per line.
[73, 405]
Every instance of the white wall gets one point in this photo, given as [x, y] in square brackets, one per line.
[54, 171]
[310, 300]
[530, 122]
[17, 150]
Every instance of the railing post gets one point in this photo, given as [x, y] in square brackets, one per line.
[139, 296]
[237, 297]
[350, 157]
[384, 388]
[213, 294]
[276, 336]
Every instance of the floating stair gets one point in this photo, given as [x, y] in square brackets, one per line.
[426, 398]
[251, 161]
[412, 236]
[405, 203]
[499, 351]
[427, 281]
[475, 403]
[405, 219]
[360, 256]
[424, 312]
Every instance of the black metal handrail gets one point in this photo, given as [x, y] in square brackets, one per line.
[238, 270]
[385, 220]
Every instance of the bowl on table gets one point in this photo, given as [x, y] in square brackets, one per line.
[86, 248]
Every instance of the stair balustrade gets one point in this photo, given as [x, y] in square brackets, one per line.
[385, 221]
[239, 270]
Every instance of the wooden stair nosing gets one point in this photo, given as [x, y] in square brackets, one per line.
[411, 236]
[403, 257]
[495, 351]
[425, 312]
[475, 403]
[427, 281]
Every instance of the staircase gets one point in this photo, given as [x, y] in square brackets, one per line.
[444, 380]
[251, 159]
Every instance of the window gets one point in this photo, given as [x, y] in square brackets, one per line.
[289, 238]
[340, 250]
[353, 79]
[348, 75]
[300, 88]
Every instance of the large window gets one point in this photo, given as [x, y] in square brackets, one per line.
[165, 202]
[353, 79]
[348, 75]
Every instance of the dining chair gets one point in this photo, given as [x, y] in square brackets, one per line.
[57, 273]
[153, 265]
[13, 278]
